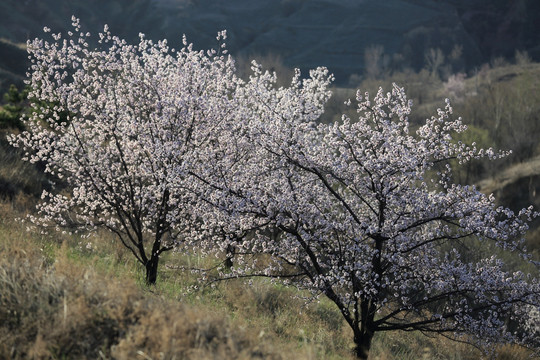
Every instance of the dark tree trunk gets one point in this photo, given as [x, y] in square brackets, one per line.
[151, 270]
[229, 256]
[362, 340]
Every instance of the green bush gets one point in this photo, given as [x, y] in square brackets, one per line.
[11, 111]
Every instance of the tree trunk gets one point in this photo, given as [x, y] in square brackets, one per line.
[230, 251]
[151, 270]
[362, 340]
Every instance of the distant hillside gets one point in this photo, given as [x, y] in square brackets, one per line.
[498, 27]
[13, 65]
[305, 33]
[524, 176]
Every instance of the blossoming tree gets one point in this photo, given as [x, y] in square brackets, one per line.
[135, 112]
[365, 213]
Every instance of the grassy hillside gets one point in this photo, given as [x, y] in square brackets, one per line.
[64, 302]
[64, 297]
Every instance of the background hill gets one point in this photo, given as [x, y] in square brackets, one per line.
[306, 33]
[13, 64]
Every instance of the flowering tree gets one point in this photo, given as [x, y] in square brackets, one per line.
[135, 113]
[365, 213]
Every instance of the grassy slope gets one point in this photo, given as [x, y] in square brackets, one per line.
[72, 298]
[70, 302]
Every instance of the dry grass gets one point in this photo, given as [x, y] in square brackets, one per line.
[18, 179]
[60, 309]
